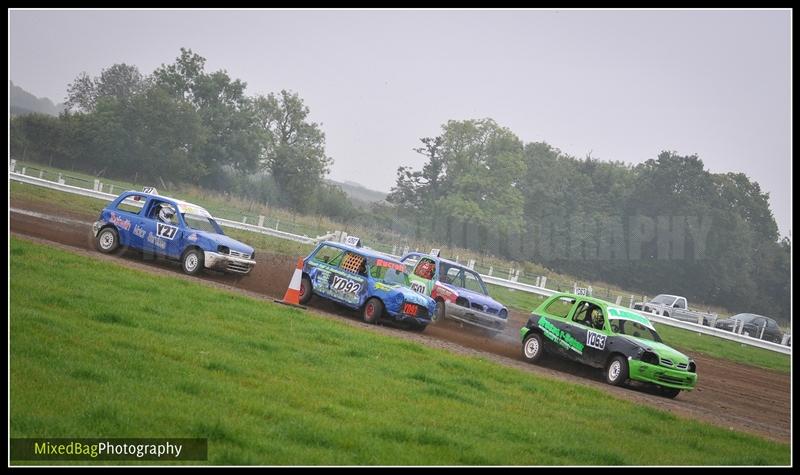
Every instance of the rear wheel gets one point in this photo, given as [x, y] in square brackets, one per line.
[192, 261]
[107, 240]
[373, 310]
[305, 290]
[617, 371]
[532, 348]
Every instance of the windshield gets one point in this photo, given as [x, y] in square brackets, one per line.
[622, 326]
[202, 223]
[664, 299]
[388, 272]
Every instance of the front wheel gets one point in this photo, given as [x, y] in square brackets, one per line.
[107, 240]
[438, 314]
[192, 261]
[373, 310]
[305, 290]
[617, 371]
[532, 348]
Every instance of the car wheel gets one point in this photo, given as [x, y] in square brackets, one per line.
[107, 240]
[373, 310]
[666, 314]
[617, 371]
[532, 348]
[192, 261]
[305, 290]
[671, 393]
[438, 314]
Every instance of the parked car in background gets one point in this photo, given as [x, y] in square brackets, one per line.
[596, 333]
[459, 291]
[366, 280]
[753, 325]
[675, 306]
[170, 228]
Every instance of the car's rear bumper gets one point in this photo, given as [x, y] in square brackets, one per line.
[670, 378]
[225, 263]
[471, 316]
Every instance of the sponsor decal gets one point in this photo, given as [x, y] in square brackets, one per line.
[156, 241]
[192, 237]
[419, 288]
[595, 340]
[559, 336]
[139, 231]
[120, 222]
[391, 265]
[618, 312]
[342, 284]
[166, 231]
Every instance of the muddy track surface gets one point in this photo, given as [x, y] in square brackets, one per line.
[731, 395]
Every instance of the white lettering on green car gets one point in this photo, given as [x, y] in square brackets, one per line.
[560, 337]
[617, 312]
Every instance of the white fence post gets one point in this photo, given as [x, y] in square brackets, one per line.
[538, 279]
[763, 327]
[41, 173]
[516, 276]
[23, 170]
[491, 269]
[244, 219]
[100, 188]
[394, 249]
[510, 273]
[260, 221]
[471, 264]
[111, 189]
[12, 166]
[60, 179]
[96, 184]
[589, 290]
[619, 299]
[277, 221]
[630, 304]
[544, 282]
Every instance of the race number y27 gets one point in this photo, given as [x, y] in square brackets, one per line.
[166, 231]
[345, 285]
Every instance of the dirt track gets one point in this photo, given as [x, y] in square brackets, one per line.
[730, 395]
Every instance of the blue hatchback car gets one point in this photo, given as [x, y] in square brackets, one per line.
[175, 229]
[365, 280]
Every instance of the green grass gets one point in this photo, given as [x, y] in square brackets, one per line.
[100, 350]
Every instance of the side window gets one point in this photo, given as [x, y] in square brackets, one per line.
[472, 283]
[132, 204]
[163, 212]
[454, 276]
[583, 314]
[328, 254]
[560, 307]
[681, 303]
[354, 263]
[426, 268]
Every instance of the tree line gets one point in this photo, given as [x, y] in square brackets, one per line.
[667, 225]
[183, 124]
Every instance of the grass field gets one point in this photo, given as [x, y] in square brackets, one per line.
[523, 301]
[100, 350]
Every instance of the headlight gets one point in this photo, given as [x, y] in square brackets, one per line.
[503, 313]
[650, 358]
[223, 249]
[692, 367]
[253, 255]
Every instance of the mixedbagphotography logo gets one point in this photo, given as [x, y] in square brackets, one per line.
[161, 449]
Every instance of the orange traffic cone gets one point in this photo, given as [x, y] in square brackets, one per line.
[292, 296]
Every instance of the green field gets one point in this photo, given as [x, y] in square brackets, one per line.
[100, 350]
[523, 301]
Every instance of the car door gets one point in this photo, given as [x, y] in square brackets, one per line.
[553, 321]
[587, 327]
[346, 280]
[423, 275]
[161, 237]
[128, 215]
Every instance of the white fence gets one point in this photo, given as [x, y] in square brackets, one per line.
[511, 283]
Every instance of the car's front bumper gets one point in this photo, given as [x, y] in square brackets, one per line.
[226, 263]
[471, 316]
[670, 378]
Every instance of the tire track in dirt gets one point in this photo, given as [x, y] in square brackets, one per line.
[729, 394]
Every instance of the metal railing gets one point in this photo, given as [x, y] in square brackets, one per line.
[507, 283]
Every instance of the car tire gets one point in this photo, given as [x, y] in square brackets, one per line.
[192, 261]
[617, 371]
[671, 393]
[107, 240]
[533, 347]
[438, 314]
[373, 310]
[666, 314]
[306, 290]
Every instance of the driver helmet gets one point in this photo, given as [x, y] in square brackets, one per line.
[166, 214]
[597, 318]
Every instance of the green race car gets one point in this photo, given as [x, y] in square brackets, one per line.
[599, 334]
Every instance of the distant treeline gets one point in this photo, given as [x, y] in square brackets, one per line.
[183, 124]
[664, 226]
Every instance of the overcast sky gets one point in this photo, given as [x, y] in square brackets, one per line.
[622, 85]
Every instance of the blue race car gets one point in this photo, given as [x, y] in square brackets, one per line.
[366, 280]
[158, 225]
